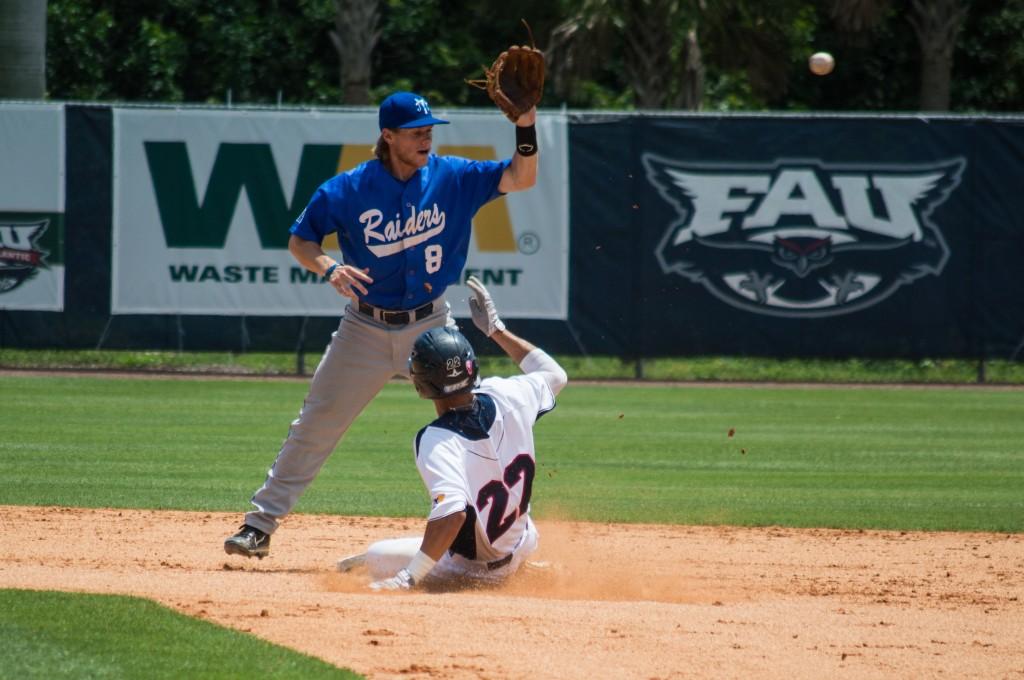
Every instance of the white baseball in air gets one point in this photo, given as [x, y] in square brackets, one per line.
[821, 63]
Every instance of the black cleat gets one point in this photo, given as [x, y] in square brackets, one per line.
[249, 542]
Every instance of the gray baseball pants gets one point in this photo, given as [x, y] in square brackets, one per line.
[363, 355]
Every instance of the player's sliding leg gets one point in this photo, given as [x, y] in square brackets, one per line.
[385, 558]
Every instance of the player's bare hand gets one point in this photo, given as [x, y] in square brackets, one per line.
[482, 309]
[400, 581]
[347, 280]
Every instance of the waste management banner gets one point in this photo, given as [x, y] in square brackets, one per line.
[799, 236]
[203, 200]
[32, 207]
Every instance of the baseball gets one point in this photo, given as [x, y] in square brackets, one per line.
[821, 63]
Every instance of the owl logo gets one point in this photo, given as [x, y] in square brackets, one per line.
[802, 255]
[20, 253]
[801, 238]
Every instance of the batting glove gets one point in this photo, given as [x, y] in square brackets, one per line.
[400, 581]
[481, 306]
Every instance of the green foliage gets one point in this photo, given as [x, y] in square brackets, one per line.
[883, 458]
[989, 71]
[78, 51]
[154, 59]
[754, 53]
[593, 94]
[433, 47]
[66, 635]
[876, 69]
[424, 60]
[191, 51]
[729, 91]
[755, 46]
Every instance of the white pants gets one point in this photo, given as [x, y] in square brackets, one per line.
[385, 558]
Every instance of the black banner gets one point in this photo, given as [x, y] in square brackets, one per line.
[798, 236]
[789, 236]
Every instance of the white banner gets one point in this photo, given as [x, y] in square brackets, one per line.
[32, 207]
[203, 200]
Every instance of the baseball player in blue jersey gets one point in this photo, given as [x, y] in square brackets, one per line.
[403, 222]
[477, 459]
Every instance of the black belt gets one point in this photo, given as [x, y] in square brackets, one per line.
[396, 318]
[498, 564]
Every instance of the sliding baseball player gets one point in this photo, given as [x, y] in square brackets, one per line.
[477, 459]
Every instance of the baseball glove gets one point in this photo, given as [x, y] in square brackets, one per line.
[515, 81]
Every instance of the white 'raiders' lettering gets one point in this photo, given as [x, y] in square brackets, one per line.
[718, 198]
[398, 235]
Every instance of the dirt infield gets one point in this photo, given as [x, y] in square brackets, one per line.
[619, 601]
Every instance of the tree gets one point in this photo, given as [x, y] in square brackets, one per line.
[988, 74]
[434, 46]
[859, 16]
[192, 51]
[937, 24]
[22, 49]
[755, 45]
[610, 54]
[661, 58]
[355, 35]
[683, 53]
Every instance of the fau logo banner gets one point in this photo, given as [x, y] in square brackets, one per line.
[801, 238]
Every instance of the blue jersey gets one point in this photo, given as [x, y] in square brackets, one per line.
[413, 236]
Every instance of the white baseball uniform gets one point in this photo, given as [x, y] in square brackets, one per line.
[482, 459]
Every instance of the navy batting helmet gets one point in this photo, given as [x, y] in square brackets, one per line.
[443, 363]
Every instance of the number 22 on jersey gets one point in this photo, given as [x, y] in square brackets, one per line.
[496, 492]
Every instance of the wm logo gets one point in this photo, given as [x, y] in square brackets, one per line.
[191, 221]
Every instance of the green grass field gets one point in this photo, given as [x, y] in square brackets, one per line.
[713, 368]
[935, 459]
[62, 635]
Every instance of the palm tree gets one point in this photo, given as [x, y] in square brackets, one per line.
[22, 49]
[356, 24]
[665, 44]
[936, 23]
[661, 57]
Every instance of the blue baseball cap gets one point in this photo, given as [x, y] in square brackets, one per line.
[406, 110]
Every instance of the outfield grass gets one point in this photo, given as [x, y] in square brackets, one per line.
[954, 371]
[937, 459]
[63, 635]
[943, 458]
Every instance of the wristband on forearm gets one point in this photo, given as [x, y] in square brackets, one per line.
[330, 270]
[526, 140]
[420, 566]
